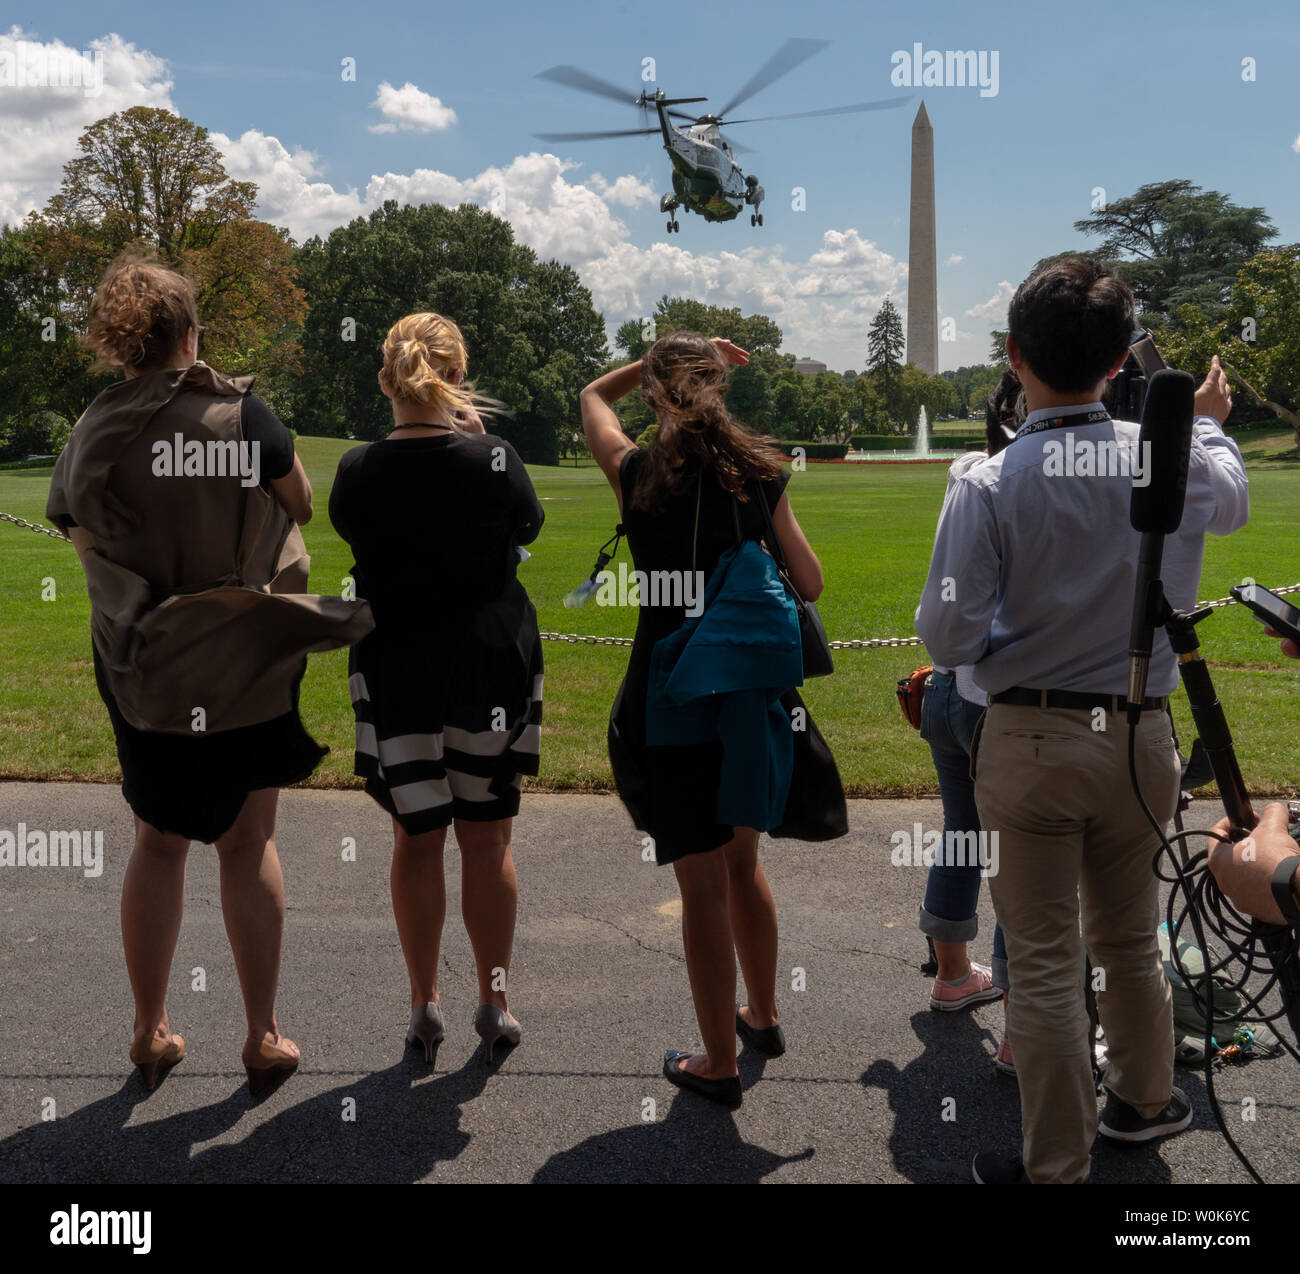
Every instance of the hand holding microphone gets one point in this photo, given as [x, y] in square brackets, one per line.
[1244, 869]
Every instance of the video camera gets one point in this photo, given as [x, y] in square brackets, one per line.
[1126, 394]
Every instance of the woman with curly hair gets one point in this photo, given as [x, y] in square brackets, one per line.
[182, 494]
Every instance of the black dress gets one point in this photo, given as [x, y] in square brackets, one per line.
[196, 786]
[672, 792]
[447, 688]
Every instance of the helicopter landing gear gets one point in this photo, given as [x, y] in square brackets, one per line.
[756, 219]
[674, 225]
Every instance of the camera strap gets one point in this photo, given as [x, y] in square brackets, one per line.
[1062, 422]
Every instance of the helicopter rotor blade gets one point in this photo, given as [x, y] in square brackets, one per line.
[583, 81]
[591, 137]
[782, 62]
[882, 104]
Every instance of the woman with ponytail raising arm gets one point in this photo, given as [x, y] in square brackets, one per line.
[686, 499]
[447, 690]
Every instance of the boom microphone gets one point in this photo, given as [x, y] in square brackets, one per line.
[1165, 447]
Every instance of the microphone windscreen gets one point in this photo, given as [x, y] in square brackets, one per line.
[1165, 447]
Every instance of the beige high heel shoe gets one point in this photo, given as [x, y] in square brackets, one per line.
[150, 1054]
[265, 1062]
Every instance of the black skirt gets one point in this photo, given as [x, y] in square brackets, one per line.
[448, 711]
[196, 786]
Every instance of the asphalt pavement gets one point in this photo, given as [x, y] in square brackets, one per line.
[874, 1088]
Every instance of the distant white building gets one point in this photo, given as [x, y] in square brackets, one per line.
[809, 366]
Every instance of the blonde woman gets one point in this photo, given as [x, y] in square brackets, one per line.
[447, 690]
[202, 691]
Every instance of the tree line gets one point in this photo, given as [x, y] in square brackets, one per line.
[309, 319]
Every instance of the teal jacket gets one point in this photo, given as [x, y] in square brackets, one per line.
[719, 678]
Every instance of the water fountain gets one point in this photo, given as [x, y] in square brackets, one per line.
[919, 454]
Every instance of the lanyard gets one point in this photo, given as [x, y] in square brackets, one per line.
[1061, 422]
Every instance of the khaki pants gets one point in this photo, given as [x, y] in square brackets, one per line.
[1057, 793]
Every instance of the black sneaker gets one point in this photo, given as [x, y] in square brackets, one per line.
[1120, 1122]
[989, 1169]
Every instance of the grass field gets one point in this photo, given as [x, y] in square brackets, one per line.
[871, 525]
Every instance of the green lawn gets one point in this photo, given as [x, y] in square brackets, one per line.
[872, 526]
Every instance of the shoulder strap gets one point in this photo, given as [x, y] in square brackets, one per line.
[774, 545]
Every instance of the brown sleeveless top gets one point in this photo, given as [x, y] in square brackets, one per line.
[198, 578]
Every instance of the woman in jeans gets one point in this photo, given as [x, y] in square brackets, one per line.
[950, 711]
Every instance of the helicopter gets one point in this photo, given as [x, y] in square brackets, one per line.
[706, 178]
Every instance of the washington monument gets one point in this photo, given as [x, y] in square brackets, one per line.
[922, 281]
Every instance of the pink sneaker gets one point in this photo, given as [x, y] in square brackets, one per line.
[975, 988]
[1003, 1059]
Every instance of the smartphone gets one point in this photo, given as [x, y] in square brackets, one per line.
[1269, 609]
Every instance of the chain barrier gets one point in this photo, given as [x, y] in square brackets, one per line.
[577, 639]
[34, 526]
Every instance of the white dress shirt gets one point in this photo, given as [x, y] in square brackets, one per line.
[965, 675]
[1033, 570]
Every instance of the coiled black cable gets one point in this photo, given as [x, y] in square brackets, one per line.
[1202, 901]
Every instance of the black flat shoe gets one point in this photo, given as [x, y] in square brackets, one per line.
[770, 1041]
[726, 1092]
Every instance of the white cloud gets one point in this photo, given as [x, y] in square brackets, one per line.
[995, 308]
[410, 109]
[823, 301]
[955, 259]
[628, 191]
[39, 125]
[1295, 145]
[823, 304]
[287, 195]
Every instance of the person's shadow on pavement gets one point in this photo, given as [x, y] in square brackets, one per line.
[696, 1143]
[393, 1130]
[950, 1104]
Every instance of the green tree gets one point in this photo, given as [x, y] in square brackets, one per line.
[754, 332]
[916, 389]
[631, 339]
[147, 177]
[973, 385]
[41, 365]
[827, 410]
[1176, 244]
[1257, 339]
[790, 400]
[885, 354]
[867, 408]
[533, 336]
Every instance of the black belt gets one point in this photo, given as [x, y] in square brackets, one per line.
[1025, 698]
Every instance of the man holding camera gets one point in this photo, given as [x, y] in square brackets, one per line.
[1032, 581]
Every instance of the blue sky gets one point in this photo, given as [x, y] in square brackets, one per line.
[1104, 95]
